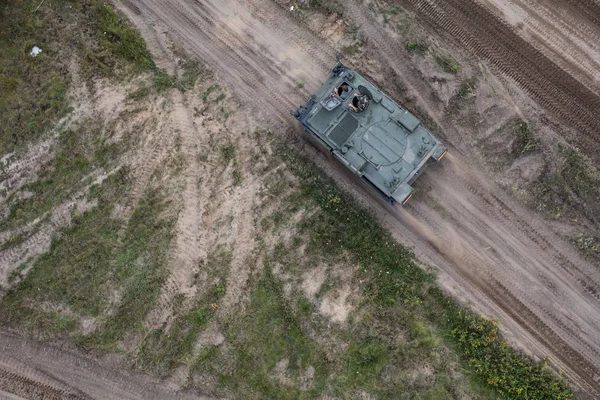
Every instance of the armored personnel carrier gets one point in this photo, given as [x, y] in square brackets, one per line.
[370, 133]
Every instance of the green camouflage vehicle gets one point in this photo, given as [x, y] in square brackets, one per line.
[370, 133]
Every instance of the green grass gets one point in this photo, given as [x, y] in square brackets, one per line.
[525, 140]
[96, 258]
[267, 334]
[446, 63]
[394, 285]
[162, 352]
[80, 151]
[512, 374]
[32, 89]
[123, 41]
[416, 47]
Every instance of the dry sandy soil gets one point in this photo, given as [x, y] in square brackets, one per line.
[491, 251]
[535, 60]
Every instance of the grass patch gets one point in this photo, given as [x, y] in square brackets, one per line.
[390, 11]
[393, 284]
[163, 81]
[268, 334]
[161, 352]
[446, 63]
[416, 47]
[512, 374]
[123, 41]
[228, 153]
[98, 266]
[32, 89]
[79, 152]
[525, 141]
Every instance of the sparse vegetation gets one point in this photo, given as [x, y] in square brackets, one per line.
[588, 244]
[467, 88]
[123, 41]
[394, 282]
[80, 151]
[572, 182]
[446, 63]
[97, 258]
[402, 339]
[525, 141]
[416, 47]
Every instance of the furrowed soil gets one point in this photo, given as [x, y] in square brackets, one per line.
[490, 248]
[186, 246]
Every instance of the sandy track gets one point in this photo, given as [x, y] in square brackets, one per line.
[31, 370]
[493, 39]
[567, 32]
[489, 250]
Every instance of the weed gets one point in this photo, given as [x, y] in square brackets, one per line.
[416, 47]
[300, 85]
[210, 90]
[588, 244]
[163, 81]
[391, 10]
[124, 41]
[304, 306]
[447, 64]
[525, 140]
[237, 177]
[228, 153]
[467, 88]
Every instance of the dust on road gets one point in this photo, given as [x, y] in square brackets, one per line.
[489, 249]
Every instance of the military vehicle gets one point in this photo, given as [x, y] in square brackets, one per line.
[370, 133]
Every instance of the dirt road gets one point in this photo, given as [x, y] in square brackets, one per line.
[490, 251]
[31, 370]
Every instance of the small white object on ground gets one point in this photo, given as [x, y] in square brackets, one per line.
[35, 51]
[292, 8]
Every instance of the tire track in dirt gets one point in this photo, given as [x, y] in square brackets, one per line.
[39, 241]
[556, 29]
[456, 243]
[16, 170]
[187, 246]
[245, 52]
[513, 243]
[204, 28]
[482, 32]
[32, 370]
[28, 383]
[390, 51]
